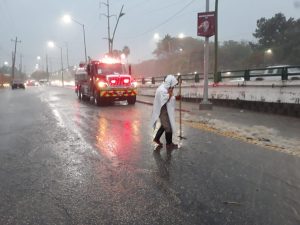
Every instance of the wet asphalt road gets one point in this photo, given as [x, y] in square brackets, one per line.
[68, 162]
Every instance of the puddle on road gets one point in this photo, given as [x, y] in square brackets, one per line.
[53, 99]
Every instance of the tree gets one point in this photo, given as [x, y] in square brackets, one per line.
[272, 32]
[5, 70]
[289, 51]
[234, 55]
[166, 46]
[281, 35]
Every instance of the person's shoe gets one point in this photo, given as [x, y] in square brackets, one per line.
[172, 146]
[157, 142]
[158, 148]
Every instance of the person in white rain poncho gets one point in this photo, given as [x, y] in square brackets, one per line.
[164, 110]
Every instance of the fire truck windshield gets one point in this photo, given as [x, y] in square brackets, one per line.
[106, 69]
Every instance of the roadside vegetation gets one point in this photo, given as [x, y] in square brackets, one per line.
[278, 43]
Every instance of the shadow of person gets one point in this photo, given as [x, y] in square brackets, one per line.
[163, 163]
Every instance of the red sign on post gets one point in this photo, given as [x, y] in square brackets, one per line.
[206, 24]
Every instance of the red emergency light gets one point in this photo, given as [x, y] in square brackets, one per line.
[109, 60]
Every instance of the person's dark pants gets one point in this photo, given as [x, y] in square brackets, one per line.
[165, 126]
[168, 135]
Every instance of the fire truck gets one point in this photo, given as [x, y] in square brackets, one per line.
[105, 81]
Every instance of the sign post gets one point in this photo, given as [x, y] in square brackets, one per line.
[180, 110]
[206, 28]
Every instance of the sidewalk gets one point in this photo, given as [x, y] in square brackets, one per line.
[280, 133]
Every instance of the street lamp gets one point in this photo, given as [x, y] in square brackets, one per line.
[51, 44]
[156, 37]
[269, 51]
[181, 35]
[69, 19]
[268, 54]
[37, 66]
[5, 63]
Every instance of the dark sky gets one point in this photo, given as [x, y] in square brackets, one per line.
[36, 22]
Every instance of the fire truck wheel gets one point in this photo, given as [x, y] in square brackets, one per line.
[79, 95]
[131, 100]
[85, 98]
[97, 100]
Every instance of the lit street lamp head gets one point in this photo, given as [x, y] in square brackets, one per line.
[51, 44]
[269, 51]
[181, 35]
[67, 18]
[156, 36]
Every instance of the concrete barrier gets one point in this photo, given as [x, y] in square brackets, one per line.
[279, 97]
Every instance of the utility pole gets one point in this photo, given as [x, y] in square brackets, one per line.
[50, 66]
[20, 65]
[62, 67]
[109, 37]
[83, 30]
[108, 24]
[67, 47]
[108, 27]
[14, 58]
[47, 70]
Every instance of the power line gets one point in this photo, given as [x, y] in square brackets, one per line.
[164, 22]
[162, 8]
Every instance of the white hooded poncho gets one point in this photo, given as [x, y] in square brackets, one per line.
[161, 98]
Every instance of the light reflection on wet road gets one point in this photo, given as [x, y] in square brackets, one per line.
[76, 163]
[114, 130]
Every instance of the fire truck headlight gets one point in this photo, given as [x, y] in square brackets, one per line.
[102, 84]
[134, 84]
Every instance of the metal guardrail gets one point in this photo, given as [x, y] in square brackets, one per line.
[269, 73]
